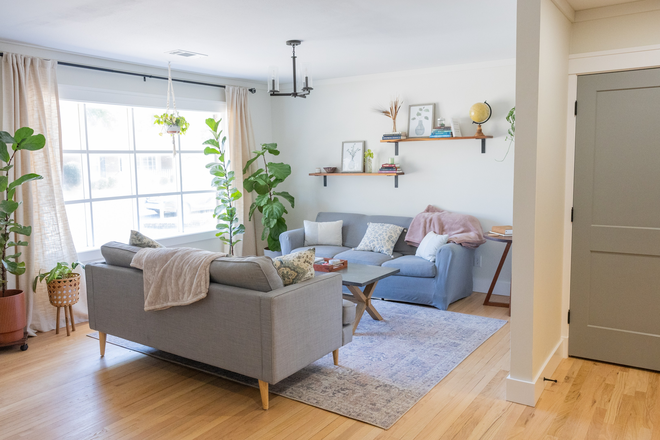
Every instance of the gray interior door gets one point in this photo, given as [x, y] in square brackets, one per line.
[615, 273]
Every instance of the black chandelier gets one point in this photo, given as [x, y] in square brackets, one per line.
[305, 77]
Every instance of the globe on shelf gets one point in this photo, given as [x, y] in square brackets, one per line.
[480, 113]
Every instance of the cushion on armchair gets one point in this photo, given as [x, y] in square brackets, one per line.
[296, 267]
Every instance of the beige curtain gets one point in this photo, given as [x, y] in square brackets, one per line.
[30, 99]
[240, 138]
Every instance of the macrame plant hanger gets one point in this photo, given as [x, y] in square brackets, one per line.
[170, 90]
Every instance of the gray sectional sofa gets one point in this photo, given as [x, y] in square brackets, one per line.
[249, 323]
[419, 281]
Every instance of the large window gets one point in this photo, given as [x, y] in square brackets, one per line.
[119, 174]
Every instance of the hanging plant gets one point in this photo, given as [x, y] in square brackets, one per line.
[511, 132]
[172, 122]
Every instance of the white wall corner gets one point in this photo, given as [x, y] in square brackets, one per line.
[528, 393]
[565, 9]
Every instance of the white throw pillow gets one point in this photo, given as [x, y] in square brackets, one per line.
[380, 237]
[430, 246]
[323, 233]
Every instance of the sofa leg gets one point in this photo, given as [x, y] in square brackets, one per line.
[102, 343]
[263, 388]
[335, 356]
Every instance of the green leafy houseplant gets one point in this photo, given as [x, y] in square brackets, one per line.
[23, 139]
[59, 272]
[172, 119]
[511, 132]
[230, 226]
[263, 182]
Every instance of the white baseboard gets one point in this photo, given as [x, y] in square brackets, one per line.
[528, 393]
[482, 285]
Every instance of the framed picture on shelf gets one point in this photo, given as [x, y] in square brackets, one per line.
[352, 157]
[420, 120]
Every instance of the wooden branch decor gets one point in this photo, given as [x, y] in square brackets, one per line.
[392, 112]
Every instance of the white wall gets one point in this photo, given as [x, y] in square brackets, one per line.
[76, 83]
[451, 175]
[539, 211]
[616, 27]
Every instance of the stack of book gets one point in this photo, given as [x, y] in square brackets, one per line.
[502, 231]
[394, 136]
[441, 132]
[390, 168]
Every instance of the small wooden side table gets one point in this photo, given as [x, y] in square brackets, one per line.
[509, 242]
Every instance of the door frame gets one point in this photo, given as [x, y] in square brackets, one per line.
[634, 58]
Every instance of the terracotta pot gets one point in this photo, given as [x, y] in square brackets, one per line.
[13, 318]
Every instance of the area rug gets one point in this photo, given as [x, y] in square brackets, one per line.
[389, 366]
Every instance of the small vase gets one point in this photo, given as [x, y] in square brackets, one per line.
[368, 165]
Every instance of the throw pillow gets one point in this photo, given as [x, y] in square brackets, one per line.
[140, 240]
[295, 268]
[430, 246]
[380, 237]
[323, 233]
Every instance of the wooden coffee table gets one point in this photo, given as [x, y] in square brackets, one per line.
[356, 276]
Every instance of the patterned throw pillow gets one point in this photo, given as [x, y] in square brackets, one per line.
[140, 240]
[297, 267]
[380, 237]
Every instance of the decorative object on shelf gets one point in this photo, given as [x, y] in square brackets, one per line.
[369, 161]
[394, 136]
[352, 153]
[455, 128]
[12, 301]
[441, 132]
[511, 132]
[263, 182]
[230, 225]
[392, 112]
[480, 114]
[329, 169]
[389, 168]
[172, 123]
[420, 120]
[305, 77]
[63, 291]
[317, 170]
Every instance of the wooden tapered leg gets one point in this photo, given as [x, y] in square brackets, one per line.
[73, 324]
[66, 320]
[263, 388]
[102, 343]
[57, 323]
[335, 356]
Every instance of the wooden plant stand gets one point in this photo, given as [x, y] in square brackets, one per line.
[65, 293]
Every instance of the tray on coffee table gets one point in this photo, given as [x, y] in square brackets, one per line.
[329, 267]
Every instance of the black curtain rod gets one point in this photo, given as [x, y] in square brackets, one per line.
[144, 76]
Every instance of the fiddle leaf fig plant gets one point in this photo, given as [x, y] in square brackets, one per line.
[23, 139]
[230, 226]
[263, 182]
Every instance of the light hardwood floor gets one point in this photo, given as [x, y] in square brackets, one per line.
[61, 389]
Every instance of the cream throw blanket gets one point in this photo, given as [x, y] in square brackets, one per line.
[174, 276]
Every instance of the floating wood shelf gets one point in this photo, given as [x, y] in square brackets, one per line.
[396, 141]
[325, 176]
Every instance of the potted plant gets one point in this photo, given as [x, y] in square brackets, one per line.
[511, 132]
[230, 225]
[63, 290]
[173, 123]
[12, 301]
[263, 182]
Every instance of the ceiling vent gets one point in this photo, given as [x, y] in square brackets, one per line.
[186, 53]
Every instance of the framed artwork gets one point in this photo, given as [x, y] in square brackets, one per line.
[352, 157]
[420, 120]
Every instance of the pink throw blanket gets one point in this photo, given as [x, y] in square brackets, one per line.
[462, 229]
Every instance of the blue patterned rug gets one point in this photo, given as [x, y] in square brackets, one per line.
[389, 366]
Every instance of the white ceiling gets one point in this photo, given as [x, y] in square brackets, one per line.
[243, 37]
[579, 5]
